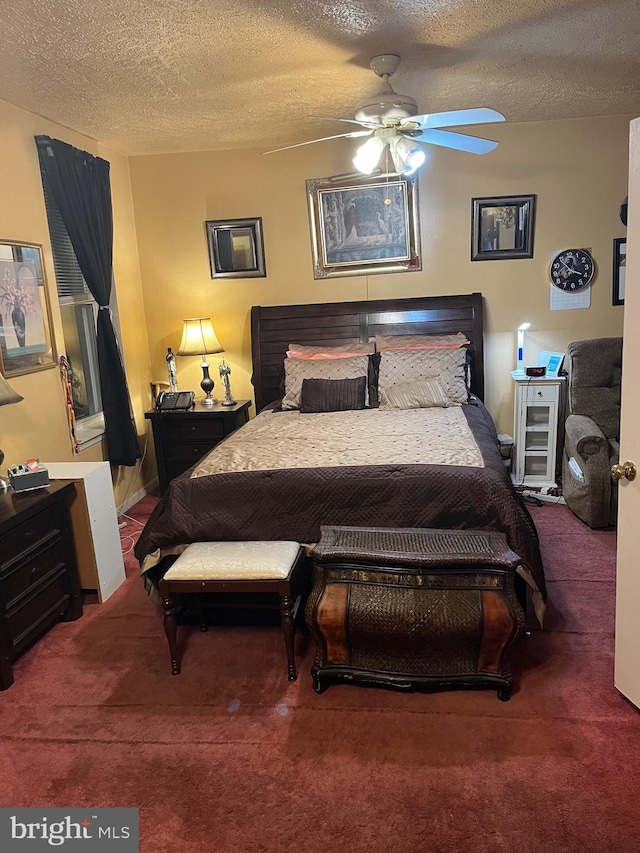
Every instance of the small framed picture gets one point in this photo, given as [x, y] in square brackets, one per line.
[619, 269]
[236, 248]
[502, 228]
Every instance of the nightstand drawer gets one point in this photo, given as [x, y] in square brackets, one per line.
[18, 582]
[188, 454]
[27, 536]
[542, 393]
[28, 620]
[211, 429]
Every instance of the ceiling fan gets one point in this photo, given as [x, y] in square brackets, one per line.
[392, 120]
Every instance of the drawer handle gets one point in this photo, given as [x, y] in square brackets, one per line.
[34, 570]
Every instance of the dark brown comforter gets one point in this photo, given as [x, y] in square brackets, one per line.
[291, 504]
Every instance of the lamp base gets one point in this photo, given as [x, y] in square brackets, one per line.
[207, 386]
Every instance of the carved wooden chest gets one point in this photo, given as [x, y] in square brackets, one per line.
[414, 606]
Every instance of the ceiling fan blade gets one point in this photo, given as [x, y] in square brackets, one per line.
[460, 141]
[323, 139]
[454, 118]
[371, 124]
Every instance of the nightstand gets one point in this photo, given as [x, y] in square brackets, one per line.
[535, 424]
[183, 437]
[38, 578]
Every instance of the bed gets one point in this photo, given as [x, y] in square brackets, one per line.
[247, 489]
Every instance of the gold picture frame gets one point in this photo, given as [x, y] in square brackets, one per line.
[26, 333]
[364, 225]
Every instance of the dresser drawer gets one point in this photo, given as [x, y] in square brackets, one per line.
[23, 576]
[206, 429]
[29, 535]
[45, 606]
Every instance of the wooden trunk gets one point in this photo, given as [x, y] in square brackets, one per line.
[414, 607]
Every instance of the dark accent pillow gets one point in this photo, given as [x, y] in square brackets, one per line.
[332, 395]
[372, 380]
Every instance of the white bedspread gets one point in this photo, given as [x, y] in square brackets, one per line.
[432, 436]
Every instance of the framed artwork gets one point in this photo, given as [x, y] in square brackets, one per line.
[363, 225]
[25, 321]
[236, 248]
[502, 228]
[619, 269]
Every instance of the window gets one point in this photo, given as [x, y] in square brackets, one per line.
[79, 311]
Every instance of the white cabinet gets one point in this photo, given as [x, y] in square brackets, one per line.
[94, 523]
[535, 426]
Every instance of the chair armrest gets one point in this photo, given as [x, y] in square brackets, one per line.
[584, 437]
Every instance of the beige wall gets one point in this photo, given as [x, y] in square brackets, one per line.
[37, 427]
[577, 169]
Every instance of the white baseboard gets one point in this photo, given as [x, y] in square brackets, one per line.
[141, 493]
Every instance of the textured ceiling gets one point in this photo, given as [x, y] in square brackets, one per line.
[147, 76]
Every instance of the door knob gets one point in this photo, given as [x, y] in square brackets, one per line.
[627, 469]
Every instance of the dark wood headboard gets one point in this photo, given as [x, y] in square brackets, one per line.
[274, 327]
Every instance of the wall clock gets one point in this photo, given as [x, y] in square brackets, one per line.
[572, 269]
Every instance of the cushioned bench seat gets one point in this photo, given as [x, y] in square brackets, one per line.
[236, 567]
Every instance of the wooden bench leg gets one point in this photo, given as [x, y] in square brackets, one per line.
[169, 613]
[288, 629]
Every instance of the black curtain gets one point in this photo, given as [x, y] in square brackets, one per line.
[81, 188]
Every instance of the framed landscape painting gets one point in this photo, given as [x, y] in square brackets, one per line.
[363, 225]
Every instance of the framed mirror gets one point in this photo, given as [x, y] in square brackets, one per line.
[502, 228]
[236, 249]
[26, 335]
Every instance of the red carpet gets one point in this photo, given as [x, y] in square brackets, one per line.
[229, 757]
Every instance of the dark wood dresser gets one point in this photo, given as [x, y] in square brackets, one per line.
[181, 438]
[38, 577]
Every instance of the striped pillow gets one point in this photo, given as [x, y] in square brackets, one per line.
[332, 395]
[419, 394]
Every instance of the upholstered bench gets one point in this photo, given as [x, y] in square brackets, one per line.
[414, 606]
[236, 567]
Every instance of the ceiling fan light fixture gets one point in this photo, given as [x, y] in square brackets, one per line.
[407, 156]
[414, 160]
[368, 155]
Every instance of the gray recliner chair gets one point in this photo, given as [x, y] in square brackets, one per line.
[592, 430]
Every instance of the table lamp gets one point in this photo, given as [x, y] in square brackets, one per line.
[7, 396]
[199, 338]
[519, 371]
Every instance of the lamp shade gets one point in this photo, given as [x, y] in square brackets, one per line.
[198, 337]
[7, 394]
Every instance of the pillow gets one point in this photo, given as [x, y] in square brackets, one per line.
[337, 351]
[332, 395]
[448, 366]
[298, 369]
[419, 394]
[384, 342]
